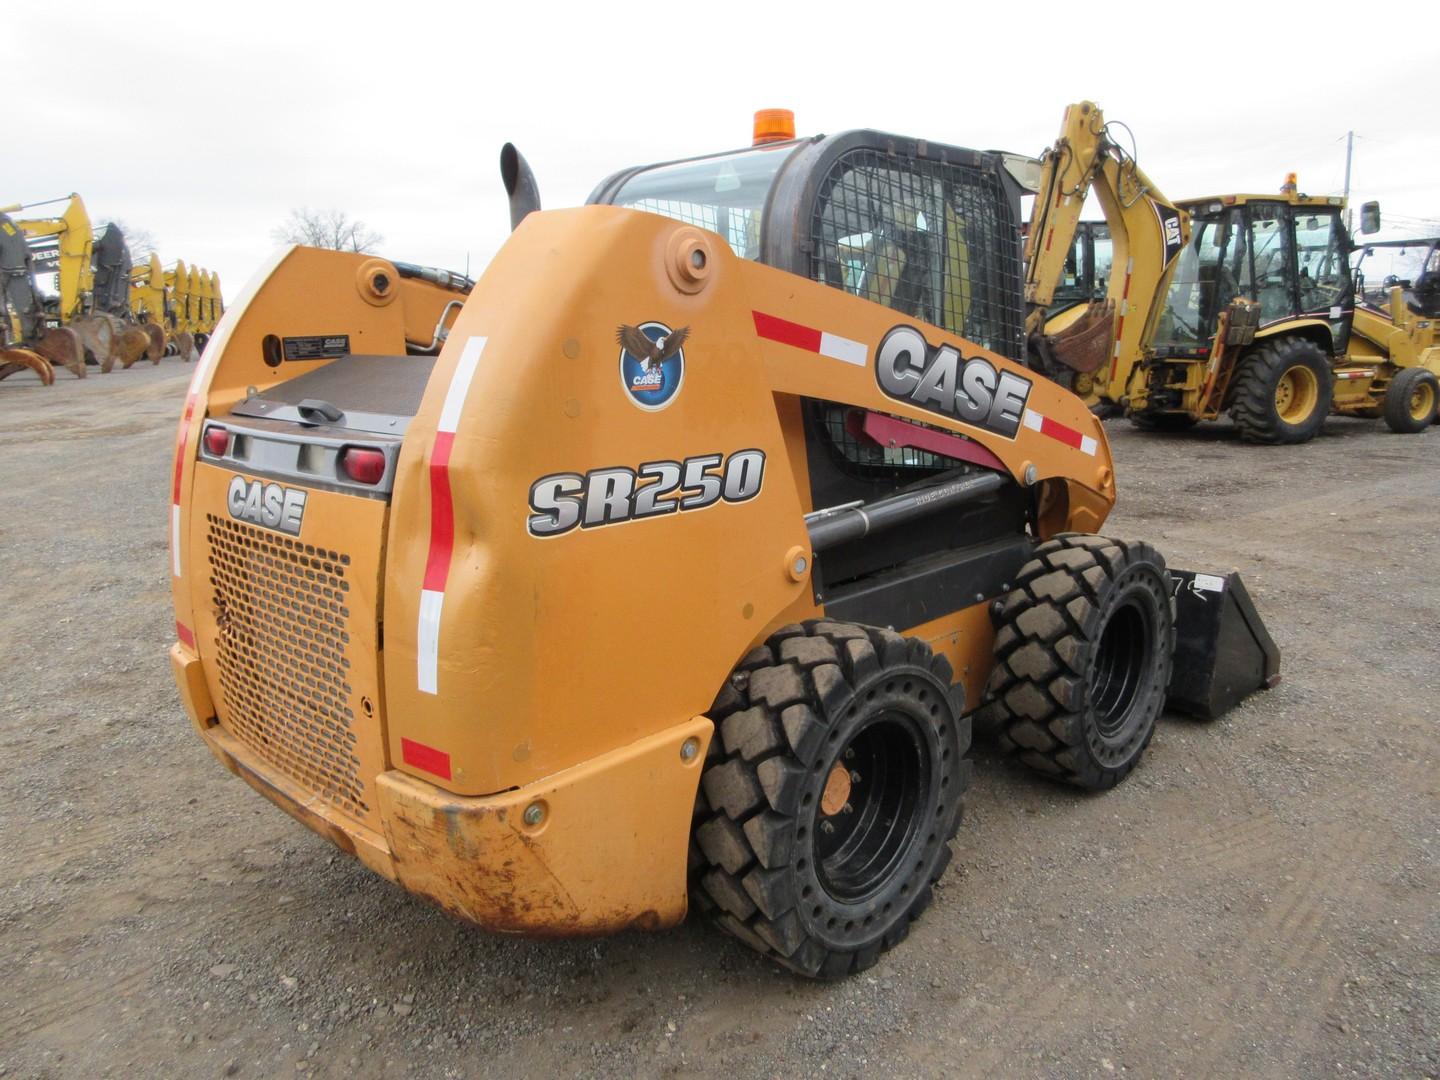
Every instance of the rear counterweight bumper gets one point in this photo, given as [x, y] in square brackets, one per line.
[592, 849]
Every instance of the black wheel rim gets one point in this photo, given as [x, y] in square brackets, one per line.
[859, 847]
[1121, 662]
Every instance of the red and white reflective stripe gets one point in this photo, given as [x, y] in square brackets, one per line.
[442, 520]
[1355, 374]
[1060, 432]
[181, 441]
[1120, 322]
[774, 328]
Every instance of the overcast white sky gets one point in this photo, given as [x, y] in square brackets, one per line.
[208, 125]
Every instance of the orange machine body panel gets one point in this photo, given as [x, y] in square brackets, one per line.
[566, 574]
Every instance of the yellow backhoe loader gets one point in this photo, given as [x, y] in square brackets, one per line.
[1397, 333]
[668, 563]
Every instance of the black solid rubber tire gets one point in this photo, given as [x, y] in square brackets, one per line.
[1396, 407]
[1163, 421]
[1043, 700]
[782, 721]
[1252, 406]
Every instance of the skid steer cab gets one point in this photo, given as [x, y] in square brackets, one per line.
[671, 561]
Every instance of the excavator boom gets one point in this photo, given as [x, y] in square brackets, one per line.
[1147, 231]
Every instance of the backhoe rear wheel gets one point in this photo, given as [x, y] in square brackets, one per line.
[1082, 658]
[1283, 392]
[830, 795]
[1411, 400]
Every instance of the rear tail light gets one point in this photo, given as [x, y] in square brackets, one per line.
[217, 441]
[362, 465]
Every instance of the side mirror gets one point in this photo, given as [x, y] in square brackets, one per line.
[1369, 217]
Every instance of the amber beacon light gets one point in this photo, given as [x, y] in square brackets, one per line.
[773, 125]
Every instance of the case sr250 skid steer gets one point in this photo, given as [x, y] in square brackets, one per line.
[668, 563]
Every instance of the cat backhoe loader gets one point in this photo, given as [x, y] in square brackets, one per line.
[669, 563]
[1396, 333]
[1258, 322]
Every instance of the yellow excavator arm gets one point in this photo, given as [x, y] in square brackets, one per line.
[75, 240]
[1148, 233]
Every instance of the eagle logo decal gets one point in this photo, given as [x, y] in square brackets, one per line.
[652, 363]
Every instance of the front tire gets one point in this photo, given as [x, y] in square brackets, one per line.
[830, 795]
[1082, 659]
[1283, 392]
[1411, 400]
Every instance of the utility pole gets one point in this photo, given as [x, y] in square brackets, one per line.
[1349, 152]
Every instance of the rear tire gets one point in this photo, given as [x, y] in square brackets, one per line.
[830, 795]
[1283, 392]
[1411, 400]
[1082, 659]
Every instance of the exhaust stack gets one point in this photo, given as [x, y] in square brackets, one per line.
[519, 184]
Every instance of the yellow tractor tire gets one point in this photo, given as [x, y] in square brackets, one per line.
[1411, 401]
[1283, 392]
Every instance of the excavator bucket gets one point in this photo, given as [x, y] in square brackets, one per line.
[13, 360]
[185, 345]
[1084, 345]
[97, 339]
[131, 345]
[156, 348]
[1222, 650]
[61, 346]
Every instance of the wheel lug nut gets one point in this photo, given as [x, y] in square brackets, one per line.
[826, 827]
[854, 777]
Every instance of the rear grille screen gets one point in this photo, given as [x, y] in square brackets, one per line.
[281, 612]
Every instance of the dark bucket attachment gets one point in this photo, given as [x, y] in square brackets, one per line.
[1222, 650]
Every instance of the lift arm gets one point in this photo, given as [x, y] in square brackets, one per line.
[74, 238]
[1148, 233]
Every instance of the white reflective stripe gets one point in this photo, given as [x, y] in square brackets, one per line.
[427, 652]
[460, 383]
[1117, 348]
[1033, 420]
[839, 348]
[1088, 445]
[175, 537]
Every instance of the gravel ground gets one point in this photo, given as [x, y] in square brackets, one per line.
[1259, 898]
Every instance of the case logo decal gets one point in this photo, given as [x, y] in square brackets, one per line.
[939, 380]
[271, 506]
[652, 363]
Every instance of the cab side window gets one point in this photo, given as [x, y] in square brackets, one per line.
[1270, 246]
[1320, 253]
[935, 241]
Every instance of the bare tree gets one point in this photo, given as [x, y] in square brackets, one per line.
[333, 229]
[140, 241]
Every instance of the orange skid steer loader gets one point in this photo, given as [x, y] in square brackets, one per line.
[668, 563]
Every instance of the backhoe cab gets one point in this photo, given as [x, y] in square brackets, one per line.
[696, 533]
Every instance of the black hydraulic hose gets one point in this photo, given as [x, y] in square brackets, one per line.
[841, 523]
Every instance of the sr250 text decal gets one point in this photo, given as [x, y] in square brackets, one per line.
[613, 496]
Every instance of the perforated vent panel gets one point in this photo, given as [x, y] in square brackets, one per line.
[281, 613]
